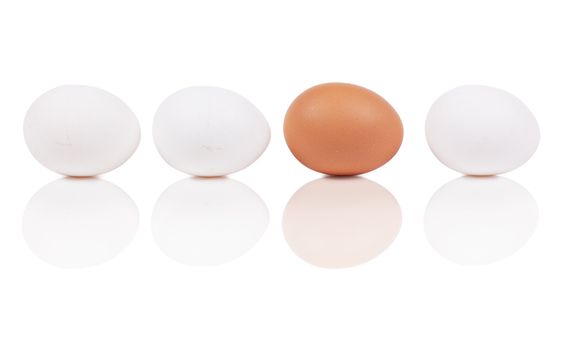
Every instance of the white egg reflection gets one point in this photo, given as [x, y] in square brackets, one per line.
[341, 222]
[73, 223]
[208, 221]
[480, 220]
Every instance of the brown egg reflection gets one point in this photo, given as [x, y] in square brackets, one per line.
[341, 222]
[342, 129]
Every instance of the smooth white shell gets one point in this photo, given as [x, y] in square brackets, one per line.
[209, 131]
[479, 130]
[81, 130]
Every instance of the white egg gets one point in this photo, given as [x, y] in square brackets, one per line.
[209, 131]
[81, 131]
[480, 130]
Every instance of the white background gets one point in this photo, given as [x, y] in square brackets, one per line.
[269, 298]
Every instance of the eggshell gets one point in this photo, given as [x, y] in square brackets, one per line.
[79, 130]
[342, 129]
[480, 130]
[209, 131]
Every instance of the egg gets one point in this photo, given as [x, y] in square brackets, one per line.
[81, 131]
[209, 131]
[480, 130]
[342, 129]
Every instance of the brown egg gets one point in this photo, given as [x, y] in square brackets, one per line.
[342, 129]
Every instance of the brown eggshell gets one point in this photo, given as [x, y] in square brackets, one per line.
[342, 129]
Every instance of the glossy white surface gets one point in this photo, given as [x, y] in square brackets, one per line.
[475, 221]
[341, 222]
[407, 297]
[208, 221]
[79, 222]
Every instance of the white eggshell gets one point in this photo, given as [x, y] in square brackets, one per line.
[209, 131]
[81, 131]
[479, 130]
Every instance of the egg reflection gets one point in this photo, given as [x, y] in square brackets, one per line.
[75, 223]
[480, 220]
[341, 222]
[208, 221]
